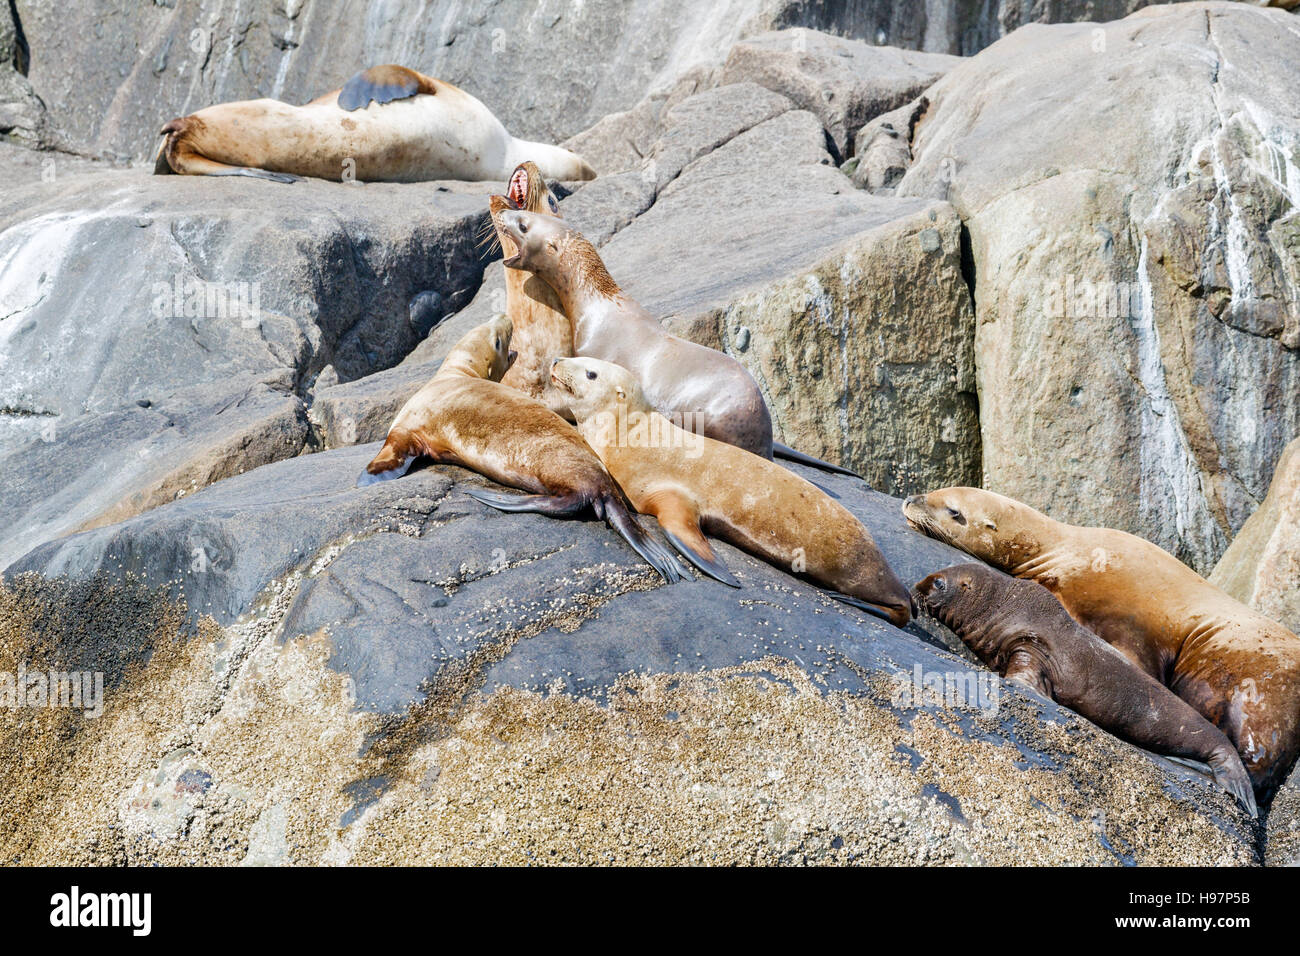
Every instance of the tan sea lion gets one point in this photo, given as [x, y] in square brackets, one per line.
[1237, 668]
[695, 485]
[1021, 631]
[695, 386]
[387, 123]
[465, 416]
[542, 330]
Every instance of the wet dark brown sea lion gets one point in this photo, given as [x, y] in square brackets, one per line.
[1237, 668]
[1019, 629]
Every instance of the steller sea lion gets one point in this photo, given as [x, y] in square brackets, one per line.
[1021, 631]
[693, 484]
[387, 123]
[542, 330]
[701, 388]
[1237, 668]
[465, 416]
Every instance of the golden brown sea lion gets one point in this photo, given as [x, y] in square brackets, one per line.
[693, 484]
[1237, 668]
[542, 330]
[698, 387]
[1019, 629]
[387, 123]
[465, 416]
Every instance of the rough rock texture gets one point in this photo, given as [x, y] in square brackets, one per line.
[1131, 194]
[158, 333]
[22, 114]
[844, 83]
[113, 71]
[850, 310]
[1262, 566]
[397, 674]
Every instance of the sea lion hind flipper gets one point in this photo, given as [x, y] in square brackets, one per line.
[556, 506]
[383, 84]
[788, 453]
[707, 563]
[1230, 774]
[861, 605]
[651, 551]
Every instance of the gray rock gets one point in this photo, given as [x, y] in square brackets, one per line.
[213, 301]
[845, 83]
[1135, 251]
[426, 598]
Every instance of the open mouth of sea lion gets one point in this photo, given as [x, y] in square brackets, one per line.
[517, 190]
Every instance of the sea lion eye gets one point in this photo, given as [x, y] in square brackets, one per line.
[956, 516]
[940, 584]
[523, 226]
[591, 375]
[550, 201]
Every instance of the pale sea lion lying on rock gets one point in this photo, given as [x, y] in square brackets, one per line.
[695, 485]
[1237, 668]
[387, 123]
[465, 416]
[1023, 633]
[701, 388]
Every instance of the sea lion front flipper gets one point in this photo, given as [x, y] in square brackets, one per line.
[788, 453]
[393, 461]
[190, 163]
[383, 84]
[1230, 774]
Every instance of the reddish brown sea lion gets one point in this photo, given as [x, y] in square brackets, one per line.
[465, 416]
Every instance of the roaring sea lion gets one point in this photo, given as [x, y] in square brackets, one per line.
[542, 330]
[693, 484]
[387, 123]
[702, 388]
[465, 416]
[1021, 631]
[1237, 668]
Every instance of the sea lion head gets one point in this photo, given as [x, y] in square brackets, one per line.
[956, 593]
[563, 258]
[593, 387]
[485, 351]
[982, 523]
[528, 191]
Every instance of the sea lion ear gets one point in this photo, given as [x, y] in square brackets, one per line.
[991, 525]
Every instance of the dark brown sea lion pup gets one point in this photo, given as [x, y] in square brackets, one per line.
[1237, 668]
[465, 416]
[542, 330]
[387, 123]
[701, 388]
[1023, 633]
[693, 484]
